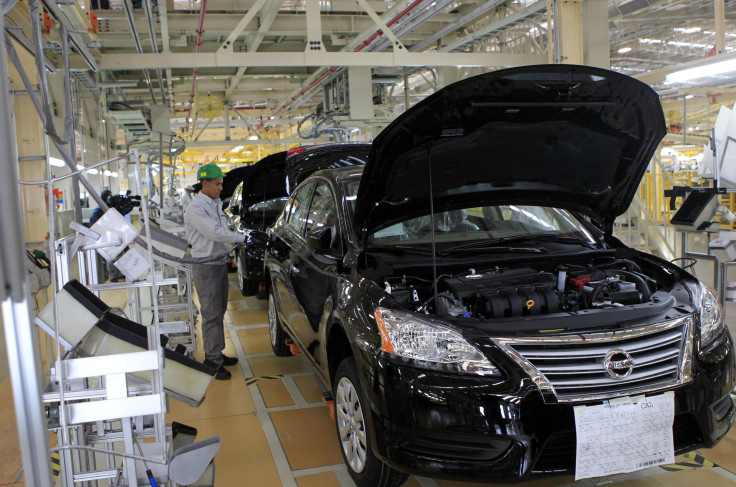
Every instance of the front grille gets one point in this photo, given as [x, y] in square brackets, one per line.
[573, 366]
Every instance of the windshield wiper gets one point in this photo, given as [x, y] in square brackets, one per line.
[494, 243]
[407, 249]
[549, 237]
[490, 247]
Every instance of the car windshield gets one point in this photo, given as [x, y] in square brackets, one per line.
[489, 223]
[276, 204]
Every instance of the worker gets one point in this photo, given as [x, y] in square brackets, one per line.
[208, 234]
[186, 196]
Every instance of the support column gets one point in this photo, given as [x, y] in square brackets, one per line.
[581, 32]
[569, 29]
[360, 92]
[447, 75]
[227, 121]
[596, 44]
[720, 27]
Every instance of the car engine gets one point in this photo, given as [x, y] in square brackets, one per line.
[524, 291]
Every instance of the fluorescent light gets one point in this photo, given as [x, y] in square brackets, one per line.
[106, 172]
[352, 131]
[712, 69]
[114, 174]
[55, 161]
[691, 30]
[238, 148]
[624, 50]
[689, 97]
[80, 167]
[93, 171]
[253, 137]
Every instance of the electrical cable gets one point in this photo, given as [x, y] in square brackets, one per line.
[149, 473]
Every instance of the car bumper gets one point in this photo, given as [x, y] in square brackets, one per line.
[463, 427]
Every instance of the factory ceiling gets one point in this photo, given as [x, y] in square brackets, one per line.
[267, 65]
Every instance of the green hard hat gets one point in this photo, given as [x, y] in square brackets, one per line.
[209, 171]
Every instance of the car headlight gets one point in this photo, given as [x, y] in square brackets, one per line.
[430, 343]
[711, 315]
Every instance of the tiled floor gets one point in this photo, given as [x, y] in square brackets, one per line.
[276, 431]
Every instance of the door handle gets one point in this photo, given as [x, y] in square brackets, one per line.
[294, 269]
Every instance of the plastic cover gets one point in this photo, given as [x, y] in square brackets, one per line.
[113, 227]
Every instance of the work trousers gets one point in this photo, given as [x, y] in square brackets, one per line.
[211, 283]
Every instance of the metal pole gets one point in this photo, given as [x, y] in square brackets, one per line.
[15, 293]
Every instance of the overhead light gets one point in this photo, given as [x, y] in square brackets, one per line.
[93, 171]
[253, 137]
[352, 131]
[114, 174]
[712, 69]
[106, 172]
[624, 50]
[691, 30]
[238, 148]
[55, 161]
[688, 97]
[80, 167]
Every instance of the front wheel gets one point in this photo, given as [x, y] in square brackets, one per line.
[365, 469]
[275, 332]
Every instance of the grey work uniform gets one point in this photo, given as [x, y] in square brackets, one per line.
[209, 236]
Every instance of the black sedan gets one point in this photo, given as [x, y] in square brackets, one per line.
[464, 302]
[254, 206]
[260, 198]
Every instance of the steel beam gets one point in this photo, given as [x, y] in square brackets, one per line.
[254, 44]
[227, 46]
[118, 62]
[658, 75]
[20, 335]
[512, 19]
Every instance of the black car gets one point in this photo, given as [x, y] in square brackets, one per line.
[254, 205]
[303, 161]
[258, 201]
[462, 296]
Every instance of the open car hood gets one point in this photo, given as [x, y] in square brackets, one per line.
[574, 137]
[302, 162]
[265, 180]
[231, 181]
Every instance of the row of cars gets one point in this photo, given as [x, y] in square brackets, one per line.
[461, 295]
[256, 196]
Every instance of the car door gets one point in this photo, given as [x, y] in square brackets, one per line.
[315, 277]
[286, 248]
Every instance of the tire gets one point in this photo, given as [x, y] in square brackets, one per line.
[365, 469]
[275, 331]
[248, 287]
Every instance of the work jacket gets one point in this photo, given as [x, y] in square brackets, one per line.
[207, 230]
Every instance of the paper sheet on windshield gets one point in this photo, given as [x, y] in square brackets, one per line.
[624, 435]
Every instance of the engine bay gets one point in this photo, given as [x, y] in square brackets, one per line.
[524, 291]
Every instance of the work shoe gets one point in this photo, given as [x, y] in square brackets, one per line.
[223, 374]
[229, 361]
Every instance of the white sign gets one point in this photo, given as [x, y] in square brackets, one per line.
[624, 435]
